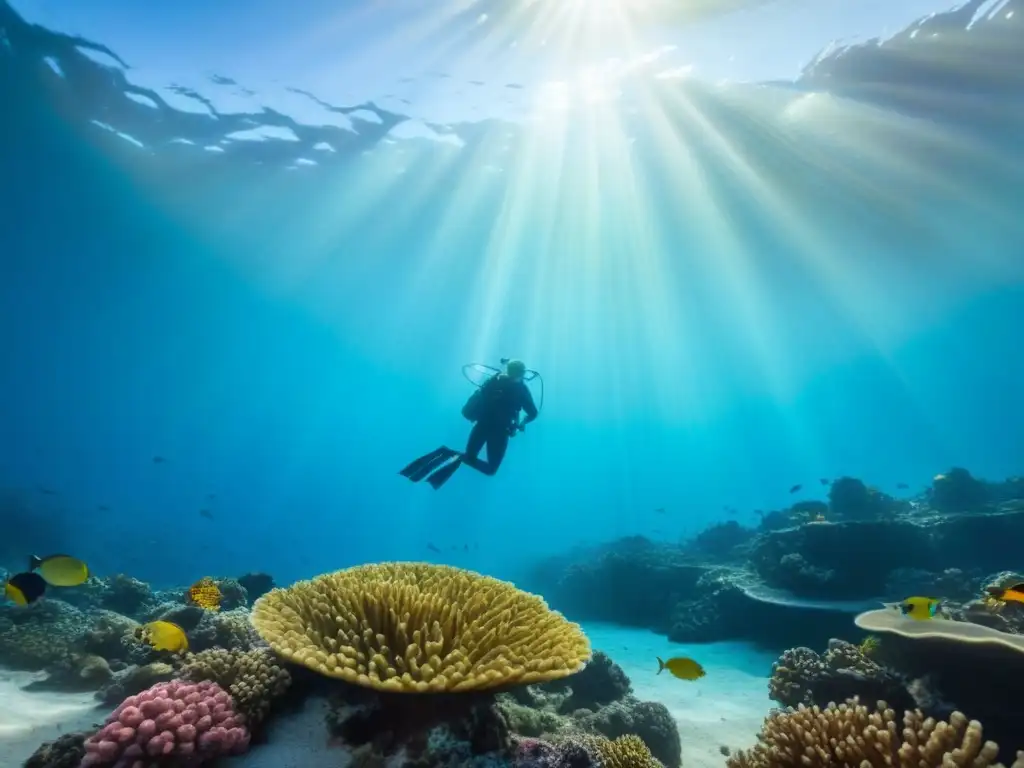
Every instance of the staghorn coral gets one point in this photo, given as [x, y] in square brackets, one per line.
[253, 678]
[855, 736]
[626, 752]
[419, 627]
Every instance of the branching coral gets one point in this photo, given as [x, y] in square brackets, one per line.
[855, 736]
[419, 627]
[253, 678]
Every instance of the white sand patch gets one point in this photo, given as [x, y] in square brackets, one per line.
[725, 708]
[28, 718]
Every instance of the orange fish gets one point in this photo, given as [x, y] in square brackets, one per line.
[1012, 593]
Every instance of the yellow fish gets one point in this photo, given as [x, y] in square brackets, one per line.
[206, 594]
[917, 608]
[24, 588]
[60, 570]
[163, 636]
[681, 667]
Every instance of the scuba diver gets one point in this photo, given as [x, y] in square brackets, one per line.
[494, 408]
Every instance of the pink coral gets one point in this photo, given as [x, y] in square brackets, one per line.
[188, 723]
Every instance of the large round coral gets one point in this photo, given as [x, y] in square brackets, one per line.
[419, 627]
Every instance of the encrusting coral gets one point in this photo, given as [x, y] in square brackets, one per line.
[420, 627]
[857, 736]
[253, 678]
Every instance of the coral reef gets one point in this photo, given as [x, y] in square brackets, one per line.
[176, 720]
[601, 682]
[256, 585]
[254, 678]
[570, 752]
[802, 676]
[66, 751]
[34, 637]
[225, 629]
[850, 499]
[956, 665]
[647, 720]
[446, 729]
[869, 547]
[722, 539]
[854, 735]
[134, 678]
[418, 627]
[626, 752]
[958, 491]
[187, 709]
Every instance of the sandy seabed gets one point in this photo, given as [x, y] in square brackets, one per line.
[725, 708]
[28, 718]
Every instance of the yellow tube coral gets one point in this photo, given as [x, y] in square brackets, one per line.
[853, 736]
[420, 627]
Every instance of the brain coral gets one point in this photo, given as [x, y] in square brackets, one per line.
[418, 627]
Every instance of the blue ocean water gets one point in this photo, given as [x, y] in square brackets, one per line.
[735, 273]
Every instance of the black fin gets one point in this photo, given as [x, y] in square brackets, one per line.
[419, 468]
[440, 477]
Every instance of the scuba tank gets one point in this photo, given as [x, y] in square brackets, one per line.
[475, 405]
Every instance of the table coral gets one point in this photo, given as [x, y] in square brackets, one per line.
[419, 627]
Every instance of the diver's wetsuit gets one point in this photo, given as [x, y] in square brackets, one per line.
[498, 422]
[496, 416]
